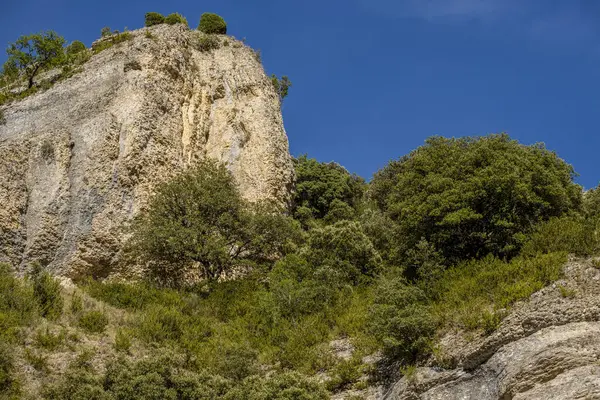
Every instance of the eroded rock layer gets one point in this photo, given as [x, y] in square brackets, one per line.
[79, 160]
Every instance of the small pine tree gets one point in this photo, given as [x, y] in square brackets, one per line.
[212, 24]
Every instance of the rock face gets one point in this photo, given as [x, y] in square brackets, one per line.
[79, 160]
[547, 348]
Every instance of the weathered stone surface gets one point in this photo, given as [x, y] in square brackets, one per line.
[79, 160]
[547, 348]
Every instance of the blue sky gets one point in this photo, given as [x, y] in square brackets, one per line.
[373, 78]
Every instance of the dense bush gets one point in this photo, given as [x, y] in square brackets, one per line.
[47, 293]
[321, 187]
[200, 217]
[575, 234]
[207, 43]
[473, 196]
[75, 47]
[153, 18]
[212, 23]
[94, 321]
[175, 18]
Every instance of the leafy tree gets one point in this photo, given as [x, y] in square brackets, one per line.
[212, 23]
[473, 196]
[75, 48]
[319, 184]
[32, 53]
[200, 218]
[591, 203]
[175, 18]
[344, 247]
[282, 86]
[401, 319]
[154, 18]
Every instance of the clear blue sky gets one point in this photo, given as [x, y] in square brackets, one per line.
[373, 78]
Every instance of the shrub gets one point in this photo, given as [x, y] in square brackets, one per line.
[2, 118]
[473, 196]
[113, 40]
[575, 235]
[345, 248]
[153, 18]
[212, 23]
[8, 384]
[283, 386]
[93, 321]
[159, 324]
[18, 304]
[319, 184]
[106, 31]
[176, 18]
[77, 384]
[47, 293]
[122, 341]
[401, 320]
[207, 43]
[75, 48]
[48, 340]
[470, 294]
[282, 86]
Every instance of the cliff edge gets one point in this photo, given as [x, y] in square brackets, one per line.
[79, 160]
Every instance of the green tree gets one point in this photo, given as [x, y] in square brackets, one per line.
[200, 218]
[212, 23]
[319, 184]
[175, 18]
[75, 48]
[472, 196]
[32, 53]
[282, 86]
[154, 18]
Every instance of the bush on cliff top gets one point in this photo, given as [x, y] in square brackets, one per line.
[212, 24]
[154, 18]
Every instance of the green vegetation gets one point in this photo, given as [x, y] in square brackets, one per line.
[75, 48]
[207, 42]
[470, 197]
[200, 218]
[154, 18]
[282, 86]
[175, 18]
[112, 40]
[106, 31]
[212, 24]
[32, 53]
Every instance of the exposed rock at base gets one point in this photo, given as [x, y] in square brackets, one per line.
[79, 160]
[546, 348]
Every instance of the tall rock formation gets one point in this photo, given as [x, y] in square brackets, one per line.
[78, 161]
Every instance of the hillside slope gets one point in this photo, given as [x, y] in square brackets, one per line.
[546, 348]
[79, 160]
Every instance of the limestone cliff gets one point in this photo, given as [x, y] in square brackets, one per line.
[79, 160]
[547, 348]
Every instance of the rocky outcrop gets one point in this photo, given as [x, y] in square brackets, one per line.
[79, 160]
[546, 348]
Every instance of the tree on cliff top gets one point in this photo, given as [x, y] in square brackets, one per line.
[212, 23]
[32, 53]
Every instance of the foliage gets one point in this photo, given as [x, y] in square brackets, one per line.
[75, 48]
[94, 321]
[207, 43]
[286, 386]
[282, 86]
[212, 23]
[319, 184]
[47, 293]
[473, 196]
[32, 53]
[9, 385]
[591, 203]
[401, 319]
[200, 218]
[175, 18]
[345, 248]
[2, 118]
[473, 292]
[106, 31]
[112, 40]
[154, 18]
[574, 234]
